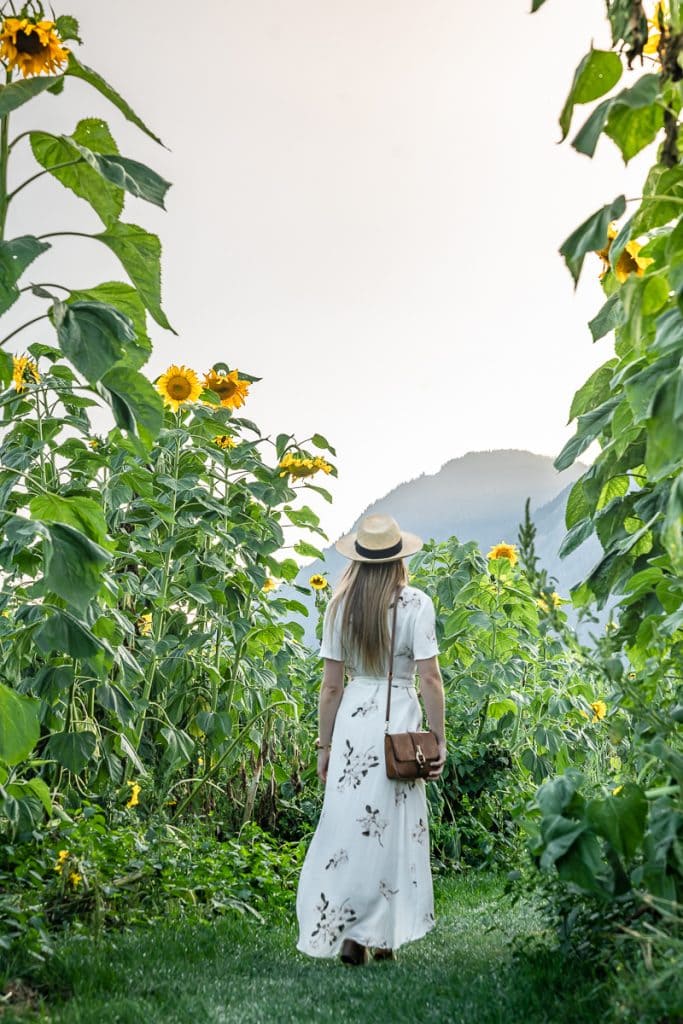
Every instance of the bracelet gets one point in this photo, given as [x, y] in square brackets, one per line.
[322, 746]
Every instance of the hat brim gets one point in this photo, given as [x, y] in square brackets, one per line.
[346, 546]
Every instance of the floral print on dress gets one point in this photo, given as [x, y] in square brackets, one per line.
[340, 857]
[419, 832]
[332, 920]
[401, 791]
[386, 890]
[366, 708]
[356, 766]
[373, 825]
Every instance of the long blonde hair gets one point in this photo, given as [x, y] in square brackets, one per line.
[368, 589]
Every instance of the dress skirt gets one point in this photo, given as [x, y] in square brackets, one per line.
[367, 874]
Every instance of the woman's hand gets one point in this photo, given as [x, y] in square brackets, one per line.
[437, 766]
[323, 762]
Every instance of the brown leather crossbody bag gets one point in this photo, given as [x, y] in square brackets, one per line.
[408, 755]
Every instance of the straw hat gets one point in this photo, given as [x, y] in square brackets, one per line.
[379, 538]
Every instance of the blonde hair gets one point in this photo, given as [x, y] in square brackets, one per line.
[368, 589]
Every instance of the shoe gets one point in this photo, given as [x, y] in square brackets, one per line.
[353, 953]
[383, 954]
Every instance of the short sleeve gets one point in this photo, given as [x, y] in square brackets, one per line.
[330, 646]
[424, 634]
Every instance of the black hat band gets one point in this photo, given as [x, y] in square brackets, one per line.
[379, 552]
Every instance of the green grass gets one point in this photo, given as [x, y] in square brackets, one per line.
[237, 970]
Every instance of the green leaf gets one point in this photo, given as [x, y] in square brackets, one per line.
[65, 634]
[135, 402]
[15, 256]
[92, 335]
[130, 175]
[81, 177]
[78, 70]
[642, 94]
[19, 725]
[37, 786]
[654, 212]
[68, 28]
[590, 236]
[594, 391]
[73, 750]
[321, 442]
[582, 864]
[84, 514]
[589, 426]
[633, 128]
[597, 73]
[664, 434]
[16, 94]
[610, 315]
[672, 527]
[140, 254]
[620, 819]
[126, 300]
[303, 548]
[73, 564]
[558, 835]
[498, 708]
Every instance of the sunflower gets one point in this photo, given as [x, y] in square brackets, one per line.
[32, 46]
[317, 581]
[599, 708]
[654, 31]
[24, 369]
[503, 551]
[63, 854]
[230, 389]
[556, 600]
[134, 795]
[224, 441]
[144, 624]
[630, 262]
[178, 385]
[270, 584]
[302, 465]
[75, 878]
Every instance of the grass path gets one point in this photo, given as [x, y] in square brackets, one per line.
[234, 970]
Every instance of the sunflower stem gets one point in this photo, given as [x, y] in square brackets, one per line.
[4, 158]
[39, 174]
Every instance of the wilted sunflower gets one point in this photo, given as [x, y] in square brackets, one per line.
[144, 624]
[230, 389]
[302, 465]
[32, 46]
[178, 385]
[23, 370]
[317, 581]
[503, 551]
[599, 708]
[134, 795]
[630, 262]
[224, 441]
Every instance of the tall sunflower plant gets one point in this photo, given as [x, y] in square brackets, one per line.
[628, 840]
[141, 627]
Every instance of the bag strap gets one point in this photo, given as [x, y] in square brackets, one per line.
[391, 658]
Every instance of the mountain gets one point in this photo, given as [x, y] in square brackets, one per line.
[480, 496]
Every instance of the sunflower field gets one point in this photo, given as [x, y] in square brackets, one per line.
[158, 703]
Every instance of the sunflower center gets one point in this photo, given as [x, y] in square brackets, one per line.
[179, 388]
[225, 388]
[29, 42]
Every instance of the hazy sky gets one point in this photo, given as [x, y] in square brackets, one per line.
[367, 203]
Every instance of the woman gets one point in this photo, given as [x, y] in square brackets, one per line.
[366, 879]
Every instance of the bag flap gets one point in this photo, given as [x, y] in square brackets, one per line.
[403, 745]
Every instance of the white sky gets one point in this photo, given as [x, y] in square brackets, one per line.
[368, 198]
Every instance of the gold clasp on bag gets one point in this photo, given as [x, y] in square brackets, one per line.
[419, 756]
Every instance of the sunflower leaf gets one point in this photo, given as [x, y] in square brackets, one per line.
[140, 254]
[68, 28]
[84, 514]
[129, 175]
[597, 73]
[63, 157]
[15, 256]
[127, 300]
[135, 402]
[16, 94]
[73, 564]
[78, 70]
[590, 236]
[92, 335]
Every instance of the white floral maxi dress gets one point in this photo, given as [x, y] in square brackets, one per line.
[367, 874]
